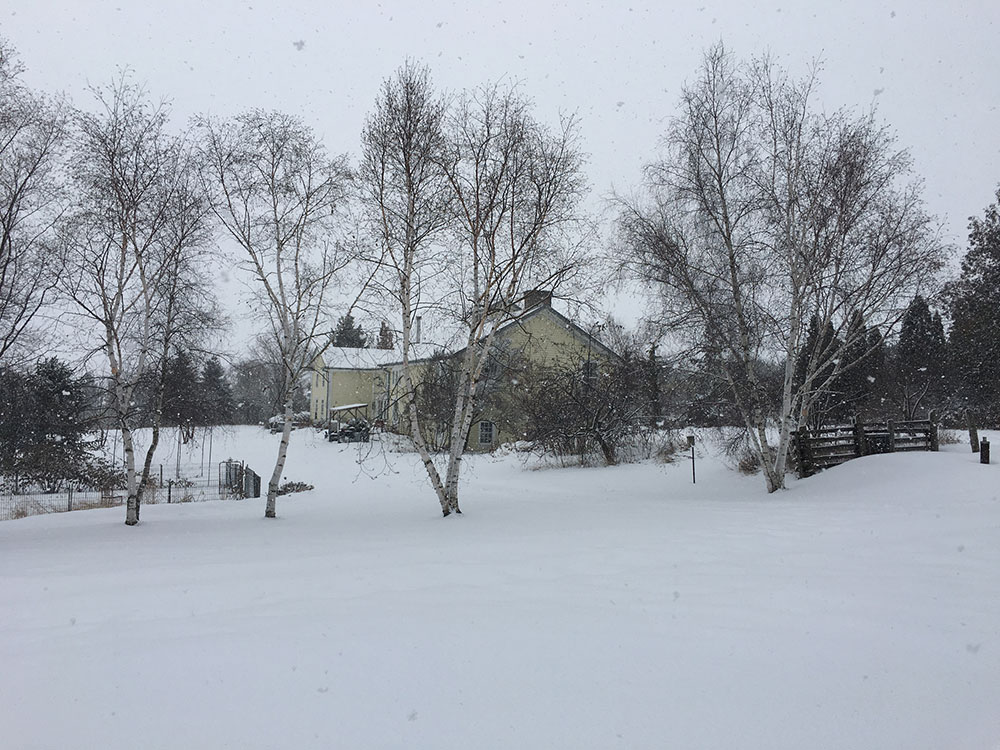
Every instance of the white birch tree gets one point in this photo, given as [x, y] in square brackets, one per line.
[482, 198]
[516, 225]
[406, 198]
[280, 196]
[186, 311]
[125, 169]
[763, 213]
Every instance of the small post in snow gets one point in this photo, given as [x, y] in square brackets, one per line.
[984, 451]
[691, 446]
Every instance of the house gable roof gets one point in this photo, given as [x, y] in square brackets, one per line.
[573, 328]
[348, 358]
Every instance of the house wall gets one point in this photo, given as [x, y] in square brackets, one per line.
[351, 387]
[397, 387]
[318, 393]
[543, 339]
[479, 432]
[340, 387]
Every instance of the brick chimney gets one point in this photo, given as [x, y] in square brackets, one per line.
[537, 298]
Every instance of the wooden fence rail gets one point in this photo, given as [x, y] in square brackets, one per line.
[831, 445]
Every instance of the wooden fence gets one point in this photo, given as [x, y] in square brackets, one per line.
[828, 446]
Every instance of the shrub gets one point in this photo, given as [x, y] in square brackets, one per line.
[289, 487]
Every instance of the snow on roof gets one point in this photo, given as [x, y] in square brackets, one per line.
[347, 407]
[350, 358]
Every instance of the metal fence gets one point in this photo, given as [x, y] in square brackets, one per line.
[233, 480]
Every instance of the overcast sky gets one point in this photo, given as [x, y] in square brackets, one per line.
[931, 68]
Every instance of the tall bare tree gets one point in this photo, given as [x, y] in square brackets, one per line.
[763, 213]
[32, 138]
[126, 172]
[279, 195]
[482, 191]
[407, 200]
[186, 312]
[516, 227]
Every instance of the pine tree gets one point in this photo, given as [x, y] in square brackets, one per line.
[855, 385]
[59, 448]
[386, 339]
[943, 384]
[348, 334]
[878, 375]
[14, 417]
[217, 406]
[821, 396]
[255, 390]
[44, 421]
[973, 302]
[181, 393]
[920, 359]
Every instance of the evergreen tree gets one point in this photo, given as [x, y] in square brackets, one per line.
[217, 405]
[878, 374]
[348, 334]
[257, 385]
[59, 448]
[44, 422]
[821, 395]
[182, 402]
[386, 339]
[973, 302]
[943, 384]
[920, 359]
[14, 417]
[254, 391]
[855, 385]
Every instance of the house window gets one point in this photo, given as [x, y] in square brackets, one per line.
[486, 433]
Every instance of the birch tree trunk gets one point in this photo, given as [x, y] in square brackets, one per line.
[157, 420]
[410, 404]
[477, 354]
[131, 485]
[279, 464]
[461, 423]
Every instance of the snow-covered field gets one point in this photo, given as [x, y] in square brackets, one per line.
[571, 608]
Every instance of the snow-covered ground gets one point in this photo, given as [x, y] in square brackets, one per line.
[570, 608]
